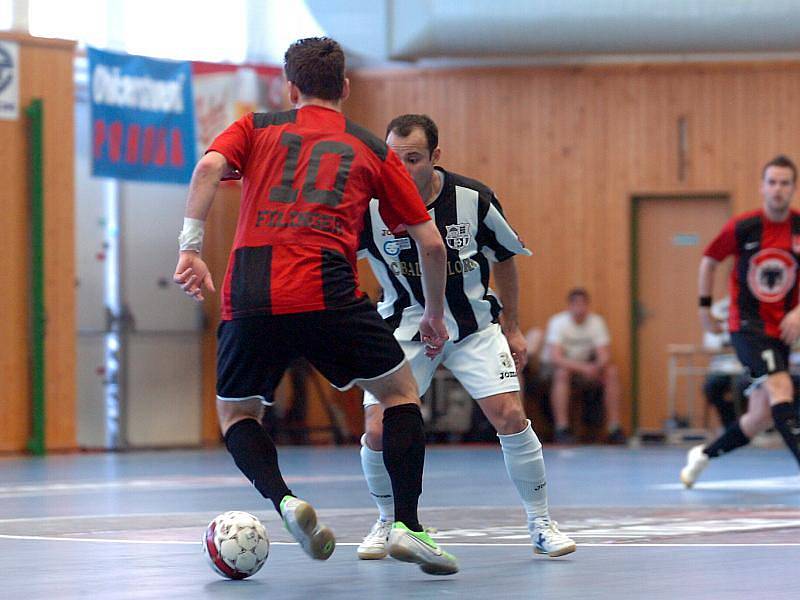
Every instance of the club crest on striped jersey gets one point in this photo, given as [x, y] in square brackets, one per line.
[458, 235]
[771, 274]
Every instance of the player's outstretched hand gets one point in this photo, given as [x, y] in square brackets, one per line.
[193, 275]
[790, 327]
[519, 347]
[433, 334]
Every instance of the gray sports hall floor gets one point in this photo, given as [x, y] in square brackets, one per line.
[110, 526]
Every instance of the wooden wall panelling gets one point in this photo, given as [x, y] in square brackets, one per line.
[567, 148]
[14, 343]
[45, 72]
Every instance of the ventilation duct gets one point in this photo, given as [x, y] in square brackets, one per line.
[412, 30]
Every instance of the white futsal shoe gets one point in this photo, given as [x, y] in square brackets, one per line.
[696, 461]
[376, 545]
[418, 547]
[300, 520]
[547, 539]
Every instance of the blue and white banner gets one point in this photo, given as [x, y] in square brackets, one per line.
[142, 118]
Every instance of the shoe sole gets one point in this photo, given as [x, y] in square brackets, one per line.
[321, 541]
[404, 554]
[373, 555]
[686, 481]
[556, 553]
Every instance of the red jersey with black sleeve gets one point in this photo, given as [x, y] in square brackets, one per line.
[763, 283]
[308, 177]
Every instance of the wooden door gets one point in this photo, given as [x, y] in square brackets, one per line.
[670, 236]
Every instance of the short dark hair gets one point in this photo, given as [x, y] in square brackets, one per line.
[576, 293]
[404, 125]
[781, 161]
[316, 66]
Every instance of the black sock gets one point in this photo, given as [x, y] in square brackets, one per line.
[786, 422]
[255, 455]
[732, 439]
[727, 412]
[404, 457]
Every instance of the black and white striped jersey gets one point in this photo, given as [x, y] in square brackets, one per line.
[476, 234]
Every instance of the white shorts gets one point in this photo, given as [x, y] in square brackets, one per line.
[481, 362]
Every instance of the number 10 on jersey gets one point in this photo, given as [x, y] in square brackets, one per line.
[286, 193]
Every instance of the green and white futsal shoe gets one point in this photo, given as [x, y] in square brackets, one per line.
[300, 520]
[418, 547]
[547, 539]
[376, 545]
[696, 462]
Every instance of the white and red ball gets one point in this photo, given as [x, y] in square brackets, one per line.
[236, 544]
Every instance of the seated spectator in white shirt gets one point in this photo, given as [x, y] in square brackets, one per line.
[578, 349]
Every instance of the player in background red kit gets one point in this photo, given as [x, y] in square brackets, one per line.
[291, 287]
[764, 316]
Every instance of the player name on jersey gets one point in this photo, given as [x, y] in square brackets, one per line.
[297, 218]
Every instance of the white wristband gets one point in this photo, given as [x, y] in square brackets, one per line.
[191, 238]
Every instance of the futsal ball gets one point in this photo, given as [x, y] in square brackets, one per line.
[236, 544]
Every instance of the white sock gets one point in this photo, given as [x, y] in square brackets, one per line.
[522, 453]
[378, 482]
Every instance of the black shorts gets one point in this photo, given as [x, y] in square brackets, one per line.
[345, 344]
[761, 354]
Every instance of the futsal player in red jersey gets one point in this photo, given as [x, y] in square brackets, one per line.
[291, 287]
[764, 316]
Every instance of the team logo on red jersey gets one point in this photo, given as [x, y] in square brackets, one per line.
[771, 274]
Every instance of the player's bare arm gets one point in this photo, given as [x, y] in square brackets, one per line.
[506, 281]
[191, 272]
[705, 286]
[432, 258]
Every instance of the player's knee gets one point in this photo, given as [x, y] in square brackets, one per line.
[398, 397]
[761, 413]
[506, 414]
[779, 387]
[395, 389]
[374, 439]
[373, 427]
[231, 412]
[514, 421]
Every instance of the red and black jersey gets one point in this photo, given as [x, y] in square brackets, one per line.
[308, 177]
[763, 283]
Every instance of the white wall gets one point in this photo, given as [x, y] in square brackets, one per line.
[162, 387]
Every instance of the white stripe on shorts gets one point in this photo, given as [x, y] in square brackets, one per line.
[246, 398]
[356, 380]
